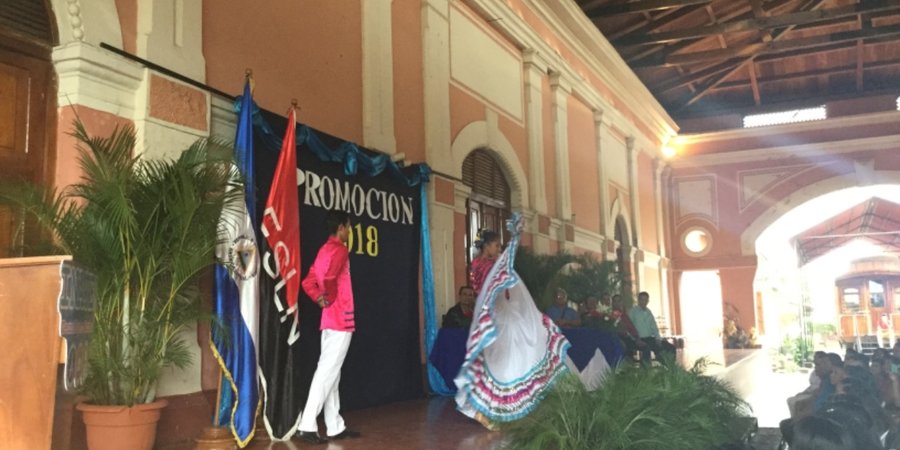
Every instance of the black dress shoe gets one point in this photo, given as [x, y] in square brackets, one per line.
[311, 437]
[346, 434]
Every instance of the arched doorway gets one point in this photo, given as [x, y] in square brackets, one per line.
[27, 108]
[804, 273]
[488, 206]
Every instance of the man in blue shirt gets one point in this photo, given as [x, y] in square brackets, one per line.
[560, 311]
[648, 333]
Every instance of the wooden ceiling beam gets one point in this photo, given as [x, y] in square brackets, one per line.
[696, 76]
[758, 23]
[761, 48]
[753, 83]
[860, 63]
[638, 6]
[651, 58]
[658, 21]
[712, 82]
[809, 74]
[782, 103]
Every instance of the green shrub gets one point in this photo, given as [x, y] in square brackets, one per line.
[664, 407]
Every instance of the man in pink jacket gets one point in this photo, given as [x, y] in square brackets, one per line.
[328, 284]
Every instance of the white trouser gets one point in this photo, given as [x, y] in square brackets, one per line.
[324, 388]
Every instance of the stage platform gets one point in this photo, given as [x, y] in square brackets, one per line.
[435, 424]
[420, 424]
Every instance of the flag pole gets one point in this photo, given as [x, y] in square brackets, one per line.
[248, 77]
[217, 436]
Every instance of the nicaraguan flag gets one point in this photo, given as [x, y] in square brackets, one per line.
[237, 293]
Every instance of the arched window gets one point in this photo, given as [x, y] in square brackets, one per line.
[488, 205]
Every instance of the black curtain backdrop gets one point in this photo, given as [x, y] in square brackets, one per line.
[383, 363]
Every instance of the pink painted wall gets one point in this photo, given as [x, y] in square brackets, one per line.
[305, 49]
[409, 106]
[732, 217]
[97, 123]
[127, 10]
[569, 55]
[647, 203]
[737, 289]
[465, 108]
[517, 136]
[583, 165]
[178, 103]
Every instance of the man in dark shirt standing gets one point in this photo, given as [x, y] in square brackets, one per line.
[460, 315]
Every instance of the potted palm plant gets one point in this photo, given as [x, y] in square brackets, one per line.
[146, 229]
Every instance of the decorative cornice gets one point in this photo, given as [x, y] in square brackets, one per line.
[801, 151]
[96, 78]
[780, 130]
[589, 240]
[567, 19]
[514, 27]
[533, 59]
[559, 80]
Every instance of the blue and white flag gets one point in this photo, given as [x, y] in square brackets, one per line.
[237, 294]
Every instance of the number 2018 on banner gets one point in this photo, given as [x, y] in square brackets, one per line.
[363, 243]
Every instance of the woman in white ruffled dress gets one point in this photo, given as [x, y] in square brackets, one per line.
[514, 353]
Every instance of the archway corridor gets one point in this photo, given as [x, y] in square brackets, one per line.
[802, 258]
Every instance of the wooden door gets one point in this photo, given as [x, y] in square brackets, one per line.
[26, 119]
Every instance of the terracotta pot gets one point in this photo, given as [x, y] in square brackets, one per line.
[120, 427]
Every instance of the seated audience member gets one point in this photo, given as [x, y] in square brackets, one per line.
[460, 315]
[606, 302]
[827, 388]
[855, 358]
[805, 397]
[624, 327]
[561, 313]
[591, 317]
[648, 333]
[880, 369]
[821, 433]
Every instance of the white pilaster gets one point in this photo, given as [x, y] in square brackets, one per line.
[602, 128]
[535, 70]
[633, 191]
[658, 168]
[378, 76]
[560, 90]
[436, 67]
[170, 33]
[441, 216]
